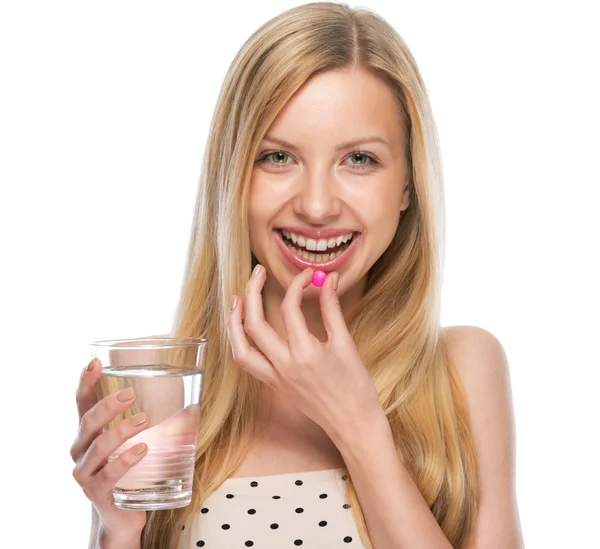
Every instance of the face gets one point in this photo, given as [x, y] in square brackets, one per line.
[331, 164]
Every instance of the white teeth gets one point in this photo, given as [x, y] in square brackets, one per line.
[317, 258]
[311, 244]
[320, 245]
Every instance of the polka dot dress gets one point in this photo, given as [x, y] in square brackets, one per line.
[276, 512]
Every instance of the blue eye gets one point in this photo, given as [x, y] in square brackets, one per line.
[369, 160]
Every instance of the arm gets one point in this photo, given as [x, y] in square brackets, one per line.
[100, 539]
[95, 529]
[483, 367]
[397, 516]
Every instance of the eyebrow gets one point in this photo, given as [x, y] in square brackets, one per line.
[353, 143]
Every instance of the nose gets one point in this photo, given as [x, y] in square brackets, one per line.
[317, 199]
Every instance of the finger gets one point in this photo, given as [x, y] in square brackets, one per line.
[255, 325]
[96, 418]
[86, 395]
[249, 358]
[106, 444]
[331, 311]
[295, 324]
[101, 485]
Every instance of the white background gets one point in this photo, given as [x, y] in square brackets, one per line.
[104, 114]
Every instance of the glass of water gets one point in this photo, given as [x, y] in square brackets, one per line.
[167, 375]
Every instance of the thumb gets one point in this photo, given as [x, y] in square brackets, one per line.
[86, 395]
[331, 310]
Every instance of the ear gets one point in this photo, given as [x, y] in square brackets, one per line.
[406, 195]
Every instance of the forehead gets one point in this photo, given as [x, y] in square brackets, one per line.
[337, 106]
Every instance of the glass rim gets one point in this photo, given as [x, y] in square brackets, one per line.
[167, 342]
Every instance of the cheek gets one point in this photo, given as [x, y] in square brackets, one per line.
[262, 210]
[384, 229]
[257, 205]
[380, 216]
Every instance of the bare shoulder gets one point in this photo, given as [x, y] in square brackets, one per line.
[478, 356]
[483, 369]
[482, 365]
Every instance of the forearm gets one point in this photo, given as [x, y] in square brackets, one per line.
[100, 538]
[396, 514]
[110, 541]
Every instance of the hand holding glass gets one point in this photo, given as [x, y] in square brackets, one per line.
[166, 376]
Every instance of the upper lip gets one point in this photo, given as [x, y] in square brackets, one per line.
[318, 233]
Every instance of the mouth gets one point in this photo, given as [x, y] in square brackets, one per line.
[330, 259]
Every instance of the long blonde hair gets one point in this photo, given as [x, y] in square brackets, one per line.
[396, 330]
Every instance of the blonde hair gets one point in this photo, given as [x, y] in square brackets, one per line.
[396, 329]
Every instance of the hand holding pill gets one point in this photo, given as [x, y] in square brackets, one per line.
[325, 380]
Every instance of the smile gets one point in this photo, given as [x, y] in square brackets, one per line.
[326, 254]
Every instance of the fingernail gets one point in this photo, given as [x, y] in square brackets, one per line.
[91, 365]
[138, 419]
[234, 302]
[336, 276]
[139, 449]
[126, 394]
[256, 271]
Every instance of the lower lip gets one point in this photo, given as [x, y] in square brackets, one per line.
[334, 264]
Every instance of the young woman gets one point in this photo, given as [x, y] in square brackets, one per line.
[339, 415]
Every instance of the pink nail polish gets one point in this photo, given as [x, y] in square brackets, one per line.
[318, 278]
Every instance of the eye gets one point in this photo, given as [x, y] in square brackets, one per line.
[276, 154]
[366, 160]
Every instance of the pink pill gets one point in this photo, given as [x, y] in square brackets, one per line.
[318, 278]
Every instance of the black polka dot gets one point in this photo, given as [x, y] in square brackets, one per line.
[274, 526]
[183, 526]
[299, 510]
[323, 523]
[229, 496]
[297, 542]
[323, 496]
[346, 506]
[204, 510]
[200, 544]
[298, 483]
[249, 543]
[344, 477]
[254, 483]
[347, 539]
[251, 511]
[276, 497]
[225, 526]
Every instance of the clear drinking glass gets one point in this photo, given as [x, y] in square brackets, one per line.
[167, 375]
